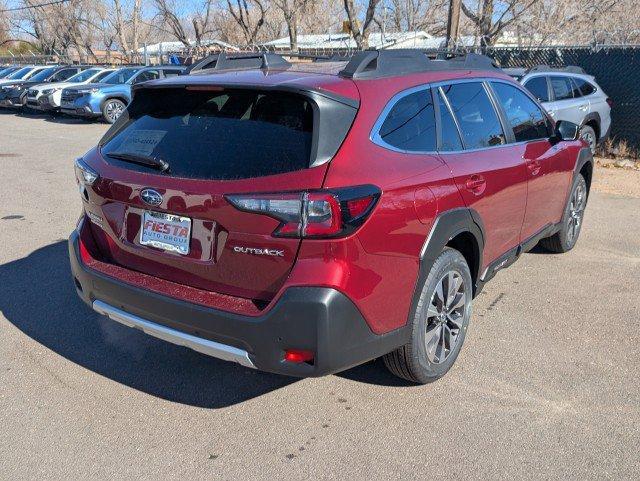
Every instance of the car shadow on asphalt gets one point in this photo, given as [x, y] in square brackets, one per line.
[38, 297]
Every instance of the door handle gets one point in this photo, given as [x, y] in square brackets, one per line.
[583, 108]
[552, 113]
[476, 184]
[534, 166]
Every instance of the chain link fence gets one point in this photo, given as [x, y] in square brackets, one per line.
[616, 69]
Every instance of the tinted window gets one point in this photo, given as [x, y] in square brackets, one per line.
[84, 75]
[18, 74]
[410, 124]
[120, 76]
[233, 134]
[64, 74]
[450, 139]
[476, 116]
[146, 76]
[524, 116]
[171, 73]
[42, 75]
[562, 88]
[102, 75]
[538, 87]
[585, 87]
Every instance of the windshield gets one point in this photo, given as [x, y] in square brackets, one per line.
[232, 134]
[20, 73]
[43, 75]
[6, 71]
[84, 75]
[102, 75]
[120, 76]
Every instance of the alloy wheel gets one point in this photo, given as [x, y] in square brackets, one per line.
[576, 211]
[114, 110]
[445, 316]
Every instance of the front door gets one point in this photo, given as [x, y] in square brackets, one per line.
[546, 169]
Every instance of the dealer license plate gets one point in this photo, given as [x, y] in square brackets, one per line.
[166, 231]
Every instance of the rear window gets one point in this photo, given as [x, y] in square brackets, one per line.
[585, 87]
[410, 124]
[230, 134]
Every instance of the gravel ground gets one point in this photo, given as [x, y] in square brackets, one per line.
[546, 385]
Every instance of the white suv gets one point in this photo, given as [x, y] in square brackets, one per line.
[570, 94]
[47, 96]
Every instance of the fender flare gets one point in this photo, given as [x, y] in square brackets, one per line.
[595, 116]
[446, 226]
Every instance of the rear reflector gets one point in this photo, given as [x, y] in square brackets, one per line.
[298, 356]
[313, 214]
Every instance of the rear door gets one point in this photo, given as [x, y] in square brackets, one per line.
[547, 170]
[490, 175]
[216, 142]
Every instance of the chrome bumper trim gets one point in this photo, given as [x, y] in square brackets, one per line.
[210, 348]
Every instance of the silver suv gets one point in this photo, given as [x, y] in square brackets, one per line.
[570, 94]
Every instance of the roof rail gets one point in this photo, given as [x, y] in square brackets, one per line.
[371, 64]
[567, 69]
[237, 61]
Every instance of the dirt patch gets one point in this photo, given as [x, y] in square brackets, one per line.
[612, 180]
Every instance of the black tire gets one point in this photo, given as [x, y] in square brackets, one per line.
[417, 360]
[566, 238]
[112, 109]
[588, 134]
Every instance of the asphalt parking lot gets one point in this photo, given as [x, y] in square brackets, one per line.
[546, 386]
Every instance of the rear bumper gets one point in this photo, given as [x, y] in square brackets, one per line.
[317, 319]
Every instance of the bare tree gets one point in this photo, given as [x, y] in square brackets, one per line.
[291, 11]
[493, 16]
[361, 36]
[411, 15]
[249, 15]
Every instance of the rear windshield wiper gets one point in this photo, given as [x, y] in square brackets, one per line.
[145, 160]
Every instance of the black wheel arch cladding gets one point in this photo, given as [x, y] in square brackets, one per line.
[447, 226]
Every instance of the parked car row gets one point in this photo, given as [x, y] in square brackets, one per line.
[77, 90]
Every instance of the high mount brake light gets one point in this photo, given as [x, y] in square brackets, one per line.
[315, 213]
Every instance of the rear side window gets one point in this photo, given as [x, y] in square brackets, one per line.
[538, 87]
[526, 119]
[585, 87]
[230, 134]
[449, 136]
[562, 88]
[478, 120]
[410, 124]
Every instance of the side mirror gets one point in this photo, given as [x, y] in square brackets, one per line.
[566, 130]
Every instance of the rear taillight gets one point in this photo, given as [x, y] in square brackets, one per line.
[610, 102]
[315, 213]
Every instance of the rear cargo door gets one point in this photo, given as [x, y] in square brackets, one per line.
[176, 223]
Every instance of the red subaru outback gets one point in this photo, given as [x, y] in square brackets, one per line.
[305, 218]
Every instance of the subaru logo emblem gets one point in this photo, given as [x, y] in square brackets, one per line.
[151, 197]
